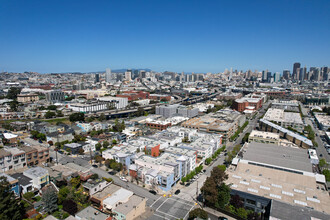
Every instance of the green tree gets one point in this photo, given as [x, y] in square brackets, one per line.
[114, 141]
[98, 146]
[50, 114]
[59, 113]
[52, 107]
[102, 117]
[10, 207]
[13, 92]
[208, 161]
[326, 173]
[13, 105]
[63, 194]
[75, 182]
[49, 199]
[223, 195]
[322, 162]
[106, 144]
[198, 213]
[28, 196]
[78, 116]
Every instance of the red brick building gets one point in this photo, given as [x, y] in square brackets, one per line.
[159, 125]
[160, 97]
[241, 104]
[152, 150]
[134, 95]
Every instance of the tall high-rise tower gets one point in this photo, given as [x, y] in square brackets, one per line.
[295, 72]
[108, 77]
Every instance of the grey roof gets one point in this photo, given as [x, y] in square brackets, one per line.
[127, 207]
[4, 153]
[281, 210]
[50, 217]
[288, 132]
[9, 178]
[22, 180]
[292, 158]
[89, 213]
[36, 172]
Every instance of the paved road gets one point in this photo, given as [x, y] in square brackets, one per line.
[320, 149]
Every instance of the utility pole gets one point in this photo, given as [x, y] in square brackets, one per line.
[197, 191]
[90, 153]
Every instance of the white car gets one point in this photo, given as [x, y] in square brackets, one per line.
[123, 179]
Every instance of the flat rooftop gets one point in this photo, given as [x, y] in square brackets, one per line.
[275, 155]
[292, 188]
[264, 134]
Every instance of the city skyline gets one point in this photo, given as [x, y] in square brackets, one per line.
[45, 36]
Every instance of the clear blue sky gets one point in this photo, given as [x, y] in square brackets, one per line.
[193, 36]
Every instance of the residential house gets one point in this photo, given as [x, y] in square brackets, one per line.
[39, 176]
[14, 186]
[25, 183]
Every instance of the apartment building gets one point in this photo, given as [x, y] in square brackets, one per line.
[13, 182]
[35, 155]
[264, 137]
[39, 176]
[12, 159]
[168, 111]
[224, 122]
[285, 119]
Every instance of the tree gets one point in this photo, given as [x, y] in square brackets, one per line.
[13, 106]
[198, 213]
[52, 107]
[210, 192]
[95, 176]
[114, 141]
[98, 159]
[59, 114]
[70, 207]
[98, 146]
[81, 151]
[106, 144]
[49, 199]
[208, 161]
[102, 117]
[10, 207]
[236, 201]
[326, 173]
[13, 92]
[75, 182]
[63, 194]
[218, 175]
[322, 163]
[50, 114]
[28, 196]
[224, 195]
[78, 116]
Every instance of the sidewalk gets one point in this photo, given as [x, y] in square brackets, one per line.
[217, 213]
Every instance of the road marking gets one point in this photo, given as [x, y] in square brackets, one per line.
[161, 204]
[170, 215]
[188, 212]
[161, 216]
[189, 201]
[180, 201]
[155, 201]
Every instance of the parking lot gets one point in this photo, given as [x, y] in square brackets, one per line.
[171, 208]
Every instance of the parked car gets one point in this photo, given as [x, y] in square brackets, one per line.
[153, 192]
[187, 184]
[222, 218]
[112, 173]
[177, 192]
[95, 166]
[123, 179]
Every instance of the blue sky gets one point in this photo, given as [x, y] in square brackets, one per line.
[192, 36]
